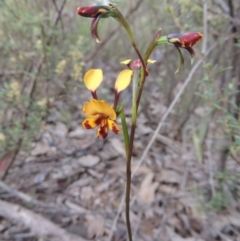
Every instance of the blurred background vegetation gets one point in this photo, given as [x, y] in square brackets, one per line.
[46, 48]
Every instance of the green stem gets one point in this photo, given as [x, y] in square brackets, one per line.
[125, 132]
[129, 149]
[133, 42]
[134, 97]
[128, 184]
[147, 54]
[129, 156]
[119, 17]
[135, 103]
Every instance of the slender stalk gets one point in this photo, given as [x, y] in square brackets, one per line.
[147, 54]
[125, 131]
[94, 95]
[125, 24]
[129, 156]
[116, 100]
[128, 184]
[119, 17]
[135, 103]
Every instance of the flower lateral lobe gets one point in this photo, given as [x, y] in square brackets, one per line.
[91, 122]
[123, 80]
[92, 79]
[113, 126]
[100, 113]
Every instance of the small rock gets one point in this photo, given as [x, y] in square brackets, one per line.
[89, 160]
[42, 149]
[79, 132]
[118, 146]
[61, 129]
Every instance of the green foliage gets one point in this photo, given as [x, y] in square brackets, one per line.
[227, 181]
[37, 59]
[217, 203]
[221, 102]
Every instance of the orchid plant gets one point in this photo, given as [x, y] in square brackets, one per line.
[102, 114]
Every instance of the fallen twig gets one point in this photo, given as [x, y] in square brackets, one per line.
[38, 225]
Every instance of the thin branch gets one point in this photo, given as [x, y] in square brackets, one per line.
[24, 197]
[40, 226]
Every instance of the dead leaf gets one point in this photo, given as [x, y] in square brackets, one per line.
[6, 162]
[104, 186]
[157, 109]
[167, 189]
[74, 188]
[118, 146]
[147, 189]
[170, 176]
[95, 226]
[42, 149]
[75, 207]
[79, 132]
[87, 193]
[144, 129]
[176, 237]
[60, 129]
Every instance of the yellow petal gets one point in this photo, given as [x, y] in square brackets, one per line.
[127, 61]
[99, 107]
[151, 61]
[113, 126]
[92, 122]
[123, 80]
[93, 78]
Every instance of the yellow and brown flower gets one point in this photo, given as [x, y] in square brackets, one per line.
[186, 41]
[100, 113]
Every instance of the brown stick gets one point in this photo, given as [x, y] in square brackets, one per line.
[40, 226]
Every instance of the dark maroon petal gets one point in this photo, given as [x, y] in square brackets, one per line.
[184, 40]
[92, 11]
[94, 28]
[189, 39]
[103, 131]
[191, 51]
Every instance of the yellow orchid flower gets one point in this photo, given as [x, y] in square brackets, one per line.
[101, 114]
